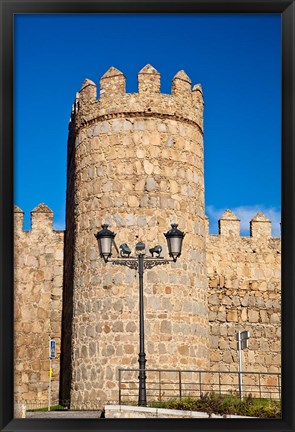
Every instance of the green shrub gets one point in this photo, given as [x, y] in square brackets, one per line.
[52, 408]
[213, 403]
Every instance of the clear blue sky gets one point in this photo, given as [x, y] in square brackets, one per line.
[236, 58]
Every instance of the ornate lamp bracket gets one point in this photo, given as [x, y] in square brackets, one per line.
[132, 263]
[150, 263]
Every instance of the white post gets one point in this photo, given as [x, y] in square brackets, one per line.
[49, 386]
[240, 365]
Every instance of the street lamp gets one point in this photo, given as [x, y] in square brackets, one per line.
[105, 239]
[140, 262]
[174, 239]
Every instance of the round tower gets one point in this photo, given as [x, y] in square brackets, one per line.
[135, 162]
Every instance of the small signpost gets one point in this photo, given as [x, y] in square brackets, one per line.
[52, 355]
[52, 349]
[242, 343]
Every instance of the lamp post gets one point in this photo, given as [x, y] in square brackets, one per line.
[140, 262]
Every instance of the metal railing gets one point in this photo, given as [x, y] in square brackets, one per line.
[166, 384]
[43, 404]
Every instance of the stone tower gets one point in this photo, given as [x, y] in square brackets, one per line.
[135, 162]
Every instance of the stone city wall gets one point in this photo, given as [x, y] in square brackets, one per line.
[244, 277]
[135, 162]
[244, 294]
[38, 279]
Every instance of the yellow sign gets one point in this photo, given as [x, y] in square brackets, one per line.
[50, 372]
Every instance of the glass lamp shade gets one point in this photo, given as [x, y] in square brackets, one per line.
[174, 239]
[105, 239]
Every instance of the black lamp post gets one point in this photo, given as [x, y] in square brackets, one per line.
[140, 250]
[105, 239]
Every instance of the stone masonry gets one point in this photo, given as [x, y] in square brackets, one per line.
[244, 279]
[136, 162]
[38, 279]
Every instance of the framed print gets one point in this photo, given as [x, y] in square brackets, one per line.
[147, 239]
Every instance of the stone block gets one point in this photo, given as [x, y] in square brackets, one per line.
[227, 357]
[275, 318]
[148, 167]
[264, 316]
[253, 316]
[165, 327]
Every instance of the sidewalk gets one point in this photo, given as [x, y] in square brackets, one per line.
[63, 414]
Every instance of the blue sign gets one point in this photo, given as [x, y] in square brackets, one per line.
[52, 349]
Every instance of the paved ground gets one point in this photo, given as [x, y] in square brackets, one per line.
[63, 414]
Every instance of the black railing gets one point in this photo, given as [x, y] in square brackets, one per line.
[165, 384]
[43, 404]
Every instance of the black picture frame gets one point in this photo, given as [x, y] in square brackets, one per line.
[8, 8]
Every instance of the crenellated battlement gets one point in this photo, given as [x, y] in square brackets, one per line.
[229, 226]
[41, 219]
[149, 80]
[184, 102]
